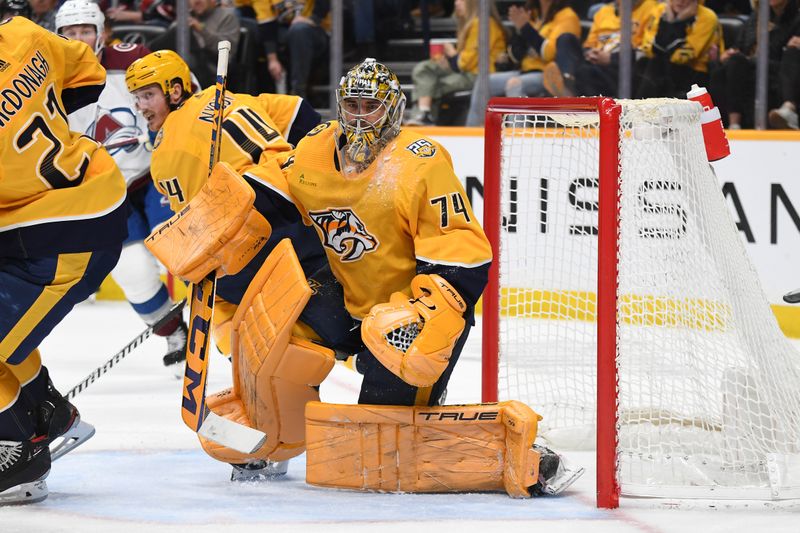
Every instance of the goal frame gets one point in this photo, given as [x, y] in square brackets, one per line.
[609, 111]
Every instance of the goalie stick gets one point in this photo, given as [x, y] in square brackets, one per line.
[194, 411]
[117, 357]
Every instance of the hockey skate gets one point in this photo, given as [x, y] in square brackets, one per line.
[554, 474]
[23, 468]
[259, 470]
[60, 424]
[176, 350]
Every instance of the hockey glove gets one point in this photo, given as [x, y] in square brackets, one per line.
[414, 339]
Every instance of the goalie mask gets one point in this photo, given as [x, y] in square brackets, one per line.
[75, 12]
[163, 68]
[370, 108]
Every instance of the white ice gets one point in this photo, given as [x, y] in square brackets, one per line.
[144, 470]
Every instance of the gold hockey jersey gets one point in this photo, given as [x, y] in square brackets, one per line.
[179, 165]
[49, 174]
[605, 31]
[406, 213]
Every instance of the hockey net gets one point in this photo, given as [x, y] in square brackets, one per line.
[622, 305]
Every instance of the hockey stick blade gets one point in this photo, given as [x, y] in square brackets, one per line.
[233, 435]
[174, 311]
[792, 297]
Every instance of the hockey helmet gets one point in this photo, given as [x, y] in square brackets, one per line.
[74, 12]
[366, 136]
[15, 7]
[163, 68]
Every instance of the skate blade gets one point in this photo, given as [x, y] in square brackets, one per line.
[564, 478]
[79, 433]
[272, 470]
[26, 493]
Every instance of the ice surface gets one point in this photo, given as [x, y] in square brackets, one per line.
[144, 470]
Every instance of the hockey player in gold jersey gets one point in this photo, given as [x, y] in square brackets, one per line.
[412, 259]
[254, 130]
[402, 239]
[62, 222]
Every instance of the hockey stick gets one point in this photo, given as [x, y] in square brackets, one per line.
[194, 411]
[117, 357]
[141, 139]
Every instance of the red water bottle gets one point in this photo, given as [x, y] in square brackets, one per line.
[711, 121]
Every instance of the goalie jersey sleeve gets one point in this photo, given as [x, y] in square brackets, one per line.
[53, 181]
[407, 213]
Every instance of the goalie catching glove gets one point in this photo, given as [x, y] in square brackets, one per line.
[218, 231]
[414, 339]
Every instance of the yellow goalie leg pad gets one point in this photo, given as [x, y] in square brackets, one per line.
[218, 231]
[454, 448]
[274, 373]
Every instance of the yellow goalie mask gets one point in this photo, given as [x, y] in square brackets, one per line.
[163, 68]
[370, 109]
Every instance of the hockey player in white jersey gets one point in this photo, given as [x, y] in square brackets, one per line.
[113, 121]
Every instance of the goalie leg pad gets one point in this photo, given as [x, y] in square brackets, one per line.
[457, 448]
[218, 231]
[275, 374]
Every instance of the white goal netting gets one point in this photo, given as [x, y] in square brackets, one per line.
[709, 388]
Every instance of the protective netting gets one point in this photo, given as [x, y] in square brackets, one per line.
[709, 388]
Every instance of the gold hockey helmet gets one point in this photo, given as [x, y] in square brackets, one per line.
[163, 67]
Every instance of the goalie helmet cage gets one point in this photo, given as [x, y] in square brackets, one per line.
[622, 306]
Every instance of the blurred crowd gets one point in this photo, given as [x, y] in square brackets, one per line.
[537, 48]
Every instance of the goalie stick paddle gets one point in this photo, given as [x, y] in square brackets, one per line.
[174, 311]
[194, 411]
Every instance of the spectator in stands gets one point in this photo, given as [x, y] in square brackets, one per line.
[155, 12]
[271, 17]
[733, 81]
[538, 26]
[729, 8]
[14, 8]
[307, 40]
[681, 39]
[44, 13]
[594, 69]
[789, 74]
[375, 21]
[209, 25]
[456, 67]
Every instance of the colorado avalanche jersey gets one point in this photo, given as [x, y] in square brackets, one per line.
[114, 118]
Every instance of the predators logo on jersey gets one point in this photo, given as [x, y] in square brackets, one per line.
[344, 233]
[422, 148]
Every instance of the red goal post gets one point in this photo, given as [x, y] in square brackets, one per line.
[607, 487]
[621, 304]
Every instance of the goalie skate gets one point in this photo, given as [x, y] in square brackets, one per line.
[555, 475]
[259, 471]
